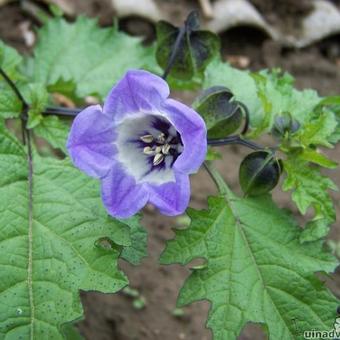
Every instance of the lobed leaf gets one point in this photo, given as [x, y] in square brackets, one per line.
[137, 250]
[317, 130]
[47, 246]
[256, 269]
[93, 58]
[309, 189]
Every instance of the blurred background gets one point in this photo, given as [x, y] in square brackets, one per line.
[302, 37]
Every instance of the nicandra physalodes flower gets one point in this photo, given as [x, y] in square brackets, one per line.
[141, 145]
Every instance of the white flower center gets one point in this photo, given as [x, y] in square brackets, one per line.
[148, 146]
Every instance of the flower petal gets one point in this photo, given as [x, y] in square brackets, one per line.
[90, 142]
[193, 133]
[121, 195]
[171, 198]
[138, 91]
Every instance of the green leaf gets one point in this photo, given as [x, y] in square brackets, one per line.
[93, 58]
[67, 88]
[267, 105]
[37, 97]
[138, 248]
[256, 269]
[212, 154]
[318, 130]
[70, 332]
[54, 130]
[278, 95]
[10, 105]
[47, 251]
[315, 230]
[333, 104]
[310, 188]
[330, 100]
[313, 156]
[10, 60]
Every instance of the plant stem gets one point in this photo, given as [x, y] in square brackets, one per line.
[62, 111]
[174, 52]
[235, 140]
[218, 179]
[14, 88]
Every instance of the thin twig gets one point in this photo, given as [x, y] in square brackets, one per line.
[62, 111]
[218, 180]
[175, 50]
[235, 140]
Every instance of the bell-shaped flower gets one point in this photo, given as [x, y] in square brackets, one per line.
[141, 145]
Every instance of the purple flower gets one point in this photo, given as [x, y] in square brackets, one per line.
[141, 145]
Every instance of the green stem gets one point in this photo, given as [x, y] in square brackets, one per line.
[218, 180]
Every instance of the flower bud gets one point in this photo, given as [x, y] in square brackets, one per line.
[221, 114]
[259, 173]
[285, 124]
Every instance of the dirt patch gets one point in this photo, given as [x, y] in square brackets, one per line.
[287, 12]
[112, 316]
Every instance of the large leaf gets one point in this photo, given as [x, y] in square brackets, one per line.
[93, 58]
[49, 245]
[256, 269]
[310, 189]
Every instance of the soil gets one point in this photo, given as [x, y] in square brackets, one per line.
[283, 11]
[113, 316]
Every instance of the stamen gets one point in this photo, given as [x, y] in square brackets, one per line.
[158, 159]
[147, 139]
[148, 151]
[161, 138]
[158, 149]
[165, 149]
